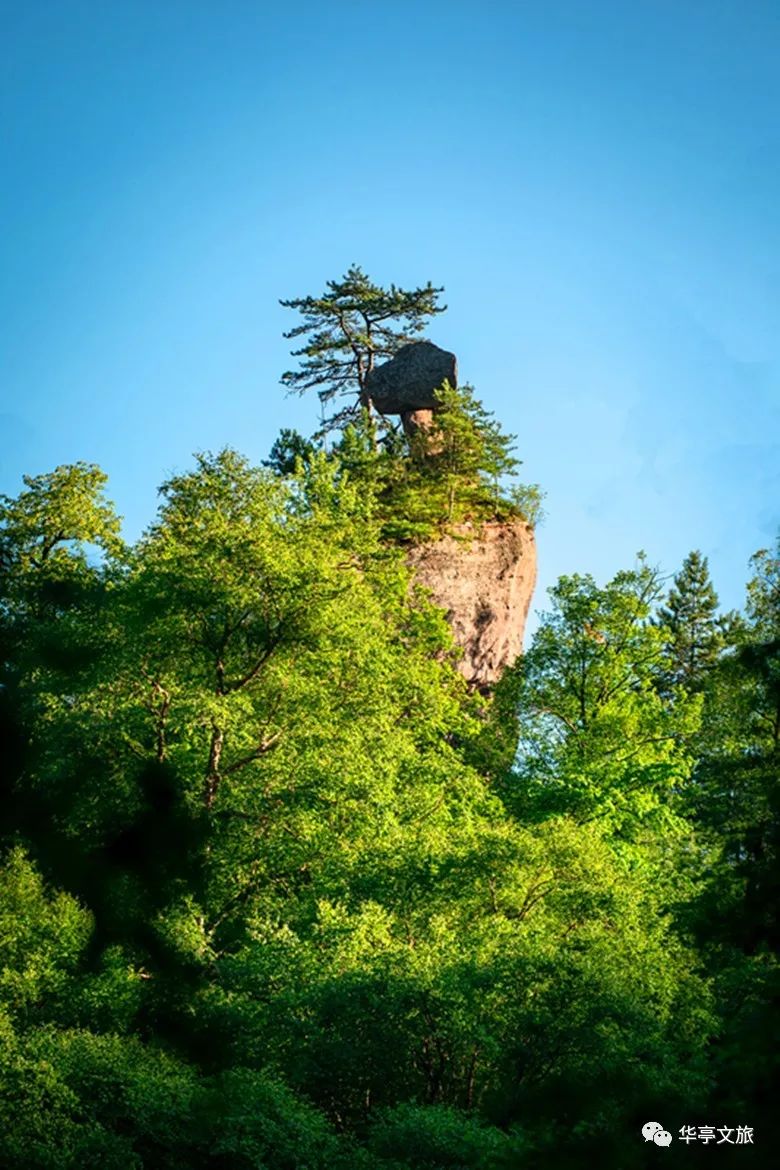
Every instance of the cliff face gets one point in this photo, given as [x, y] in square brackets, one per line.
[483, 575]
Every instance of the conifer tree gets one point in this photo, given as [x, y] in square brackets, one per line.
[347, 329]
[466, 450]
[289, 446]
[690, 616]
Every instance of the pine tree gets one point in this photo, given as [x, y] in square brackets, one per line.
[466, 450]
[690, 616]
[346, 329]
[289, 446]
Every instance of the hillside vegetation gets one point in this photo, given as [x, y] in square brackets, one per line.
[276, 891]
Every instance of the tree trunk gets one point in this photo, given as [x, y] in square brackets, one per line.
[212, 773]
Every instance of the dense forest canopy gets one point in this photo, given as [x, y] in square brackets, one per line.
[277, 891]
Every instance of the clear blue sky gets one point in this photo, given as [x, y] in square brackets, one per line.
[596, 183]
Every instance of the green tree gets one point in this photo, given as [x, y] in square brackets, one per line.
[739, 748]
[289, 446]
[763, 594]
[466, 451]
[597, 740]
[347, 329]
[690, 615]
[734, 803]
[281, 904]
[55, 539]
[57, 517]
[60, 551]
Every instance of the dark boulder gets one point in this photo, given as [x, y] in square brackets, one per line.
[409, 381]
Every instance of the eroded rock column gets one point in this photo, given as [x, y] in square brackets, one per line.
[483, 576]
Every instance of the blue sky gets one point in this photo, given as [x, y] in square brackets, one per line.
[596, 184]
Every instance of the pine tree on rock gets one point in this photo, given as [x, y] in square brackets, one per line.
[347, 329]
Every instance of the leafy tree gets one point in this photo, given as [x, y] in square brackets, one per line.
[41, 937]
[739, 750]
[347, 329]
[597, 739]
[57, 517]
[51, 537]
[763, 594]
[458, 467]
[695, 634]
[442, 1138]
[466, 450]
[59, 550]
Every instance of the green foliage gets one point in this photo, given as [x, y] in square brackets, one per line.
[277, 892]
[57, 516]
[440, 1138]
[287, 450]
[465, 454]
[527, 500]
[41, 936]
[763, 594]
[598, 736]
[458, 470]
[52, 537]
[734, 803]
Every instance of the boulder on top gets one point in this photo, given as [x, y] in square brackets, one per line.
[409, 381]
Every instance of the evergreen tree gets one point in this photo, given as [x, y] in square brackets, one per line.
[695, 636]
[735, 807]
[466, 451]
[289, 446]
[347, 329]
[459, 467]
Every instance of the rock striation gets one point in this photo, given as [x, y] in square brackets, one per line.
[483, 576]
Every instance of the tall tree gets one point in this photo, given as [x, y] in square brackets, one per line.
[735, 805]
[695, 636]
[763, 593]
[59, 545]
[347, 328]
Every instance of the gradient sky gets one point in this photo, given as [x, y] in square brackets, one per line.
[595, 183]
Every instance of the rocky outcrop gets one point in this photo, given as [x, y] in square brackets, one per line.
[483, 575]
